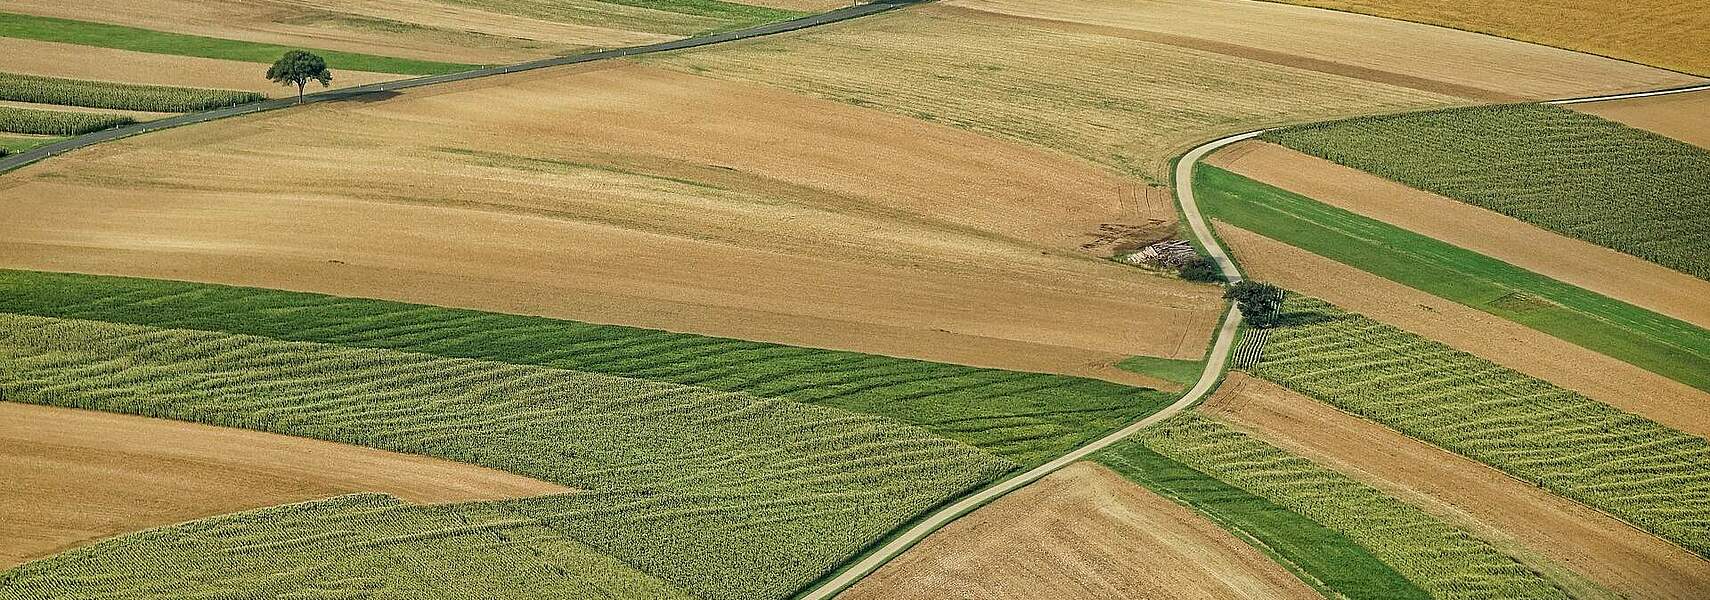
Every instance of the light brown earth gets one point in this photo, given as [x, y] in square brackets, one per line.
[1673, 34]
[421, 29]
[633, 195]
[1082, 532]
[1542, 529]
[75, 476]
[803, 5]
[1394, 52]
[53, 59]
[1685, 117]
[1490, 337]
[1575, 262]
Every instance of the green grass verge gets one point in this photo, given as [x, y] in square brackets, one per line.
[1577, 174]
[361, 546]
[724, 494]
[55, 122]
[1444, 561]
[1184, 372]
[1660, 344]
[1320, 556]
[14, 145]
[1633, 468]
[1027, 418]
[102, 35]
[119, 96]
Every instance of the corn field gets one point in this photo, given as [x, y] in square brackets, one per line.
[52, 122]
[117, 96]
[1445, 561]
[1579, 175]
[1633, 468]
[723, 494]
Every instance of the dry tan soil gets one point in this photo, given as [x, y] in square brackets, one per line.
[1490, 337]
[1541, 528]
[1685, 117]
[1575, 262]
[1082, 532]
[75, 476]
[102, 64]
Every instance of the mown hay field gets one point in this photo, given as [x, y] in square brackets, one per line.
[1576, 174]
[1673, 34]
[1444, 561]
[1651, 476]
[101, 94]
[724, 494]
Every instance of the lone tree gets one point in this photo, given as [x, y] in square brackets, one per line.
[1201, 269]
[299, 67]
[1259, 303]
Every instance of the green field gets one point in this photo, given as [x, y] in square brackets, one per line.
[13, 145]
[1320, 556]
[1576, 174]
[55, 122]
[675, 17]
[1660, 344]
[102, 94]
[362, 546]
[1444, 561]
[102, 35]
[1184, 372]
[1633, 468]
[1025, 417]
[724, 494]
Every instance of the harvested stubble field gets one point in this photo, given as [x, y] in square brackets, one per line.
[634, 195]
[756, 496]
[1679, 116]
[56, 122]
[101, 94]
[1673, 34]
[1654, 477]
[1585, 177]
[1444, 561]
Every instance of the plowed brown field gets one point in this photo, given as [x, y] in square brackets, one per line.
[1544, 530]
[102, 64]
[633, 195]
[1493, 338]
[1082, 532]
[1614, 274]
[75, 476]
[1685, 117]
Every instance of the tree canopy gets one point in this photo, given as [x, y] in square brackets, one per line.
[299, 67]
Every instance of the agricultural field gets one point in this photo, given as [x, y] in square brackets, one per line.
[619, 208]
[100, 94]
[53, 122]
[1675, 115]
[1658, 343]
[1576, 174]
[1666, 33]
[1656, 478]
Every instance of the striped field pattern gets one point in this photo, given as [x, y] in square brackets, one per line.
[54, 122]
[120, 96]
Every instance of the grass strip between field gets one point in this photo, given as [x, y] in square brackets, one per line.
[120, 37]
[11, 145]
[1323, 558]
[1028, 418]
[1173, 370]
[724, 494]
[118, 96]
[1444, 561]
[1635, 469]
[54, 122]
[1657, 343]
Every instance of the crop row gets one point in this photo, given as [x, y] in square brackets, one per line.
[1631, 467]
[119, 96]
[1024, 417]
[724, 494]
[1446, 562]
[53, 122]
[1579, 175]
[359, 546]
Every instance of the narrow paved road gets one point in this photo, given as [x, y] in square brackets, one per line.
[20, 159]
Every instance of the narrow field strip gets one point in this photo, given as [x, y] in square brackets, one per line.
[1651, 476]
[56, 122]
[1576, 174]
[723, 494]
[1322, 557]
[674, 17]
[1657, 343]
[1027, 418]
[102, 35]
[1445, 562]
[118, 96]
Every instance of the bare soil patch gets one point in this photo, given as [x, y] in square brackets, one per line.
[1082, 532]
[1614, 274]
[54, 59]
[1542, 529]
[75, 476]
[636, 196]
[1685, 117]
[1493, 338]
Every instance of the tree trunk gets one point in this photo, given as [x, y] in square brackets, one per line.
[300, 85]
